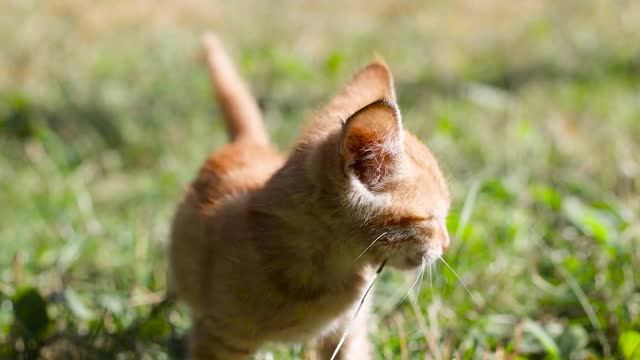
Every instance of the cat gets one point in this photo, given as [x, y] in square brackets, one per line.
[269, 249]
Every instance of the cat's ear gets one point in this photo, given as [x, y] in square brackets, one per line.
[375, 79]
[371, 144]
[373, 82]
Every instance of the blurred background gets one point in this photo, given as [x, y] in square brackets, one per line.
[532, 107]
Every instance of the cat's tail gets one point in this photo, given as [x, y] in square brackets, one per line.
[243, 118]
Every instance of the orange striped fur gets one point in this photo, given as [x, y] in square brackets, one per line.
[266, 248]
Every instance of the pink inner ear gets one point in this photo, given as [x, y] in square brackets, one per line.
[371, 144]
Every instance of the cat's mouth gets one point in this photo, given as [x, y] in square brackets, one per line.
[414, 261]
[411, 258]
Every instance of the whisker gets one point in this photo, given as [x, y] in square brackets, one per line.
[420, 271]
[370, 245]
[431, 276]
[422, 268]
[459, 279]
[355, 313]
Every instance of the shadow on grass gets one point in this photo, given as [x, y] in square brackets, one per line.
[31, 335]
[21, 118]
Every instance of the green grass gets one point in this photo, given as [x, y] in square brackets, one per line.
[532, 108]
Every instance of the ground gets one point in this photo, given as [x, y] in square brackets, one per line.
[533, 109]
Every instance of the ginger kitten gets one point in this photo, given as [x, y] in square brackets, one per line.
[269, 249]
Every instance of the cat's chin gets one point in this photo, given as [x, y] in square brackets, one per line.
[405, 262]
[413, 260]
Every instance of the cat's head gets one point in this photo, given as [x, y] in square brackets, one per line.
[389, 182]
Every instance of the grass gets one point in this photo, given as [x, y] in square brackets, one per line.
[532, 108]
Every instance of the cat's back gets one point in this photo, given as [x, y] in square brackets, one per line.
[215, 203]
[236, 168]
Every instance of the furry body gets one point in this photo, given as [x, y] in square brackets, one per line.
[263, 247]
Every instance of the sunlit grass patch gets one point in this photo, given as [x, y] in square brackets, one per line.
[104, 118]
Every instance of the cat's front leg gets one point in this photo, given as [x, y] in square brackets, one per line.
[210, 342]
[356, 345]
